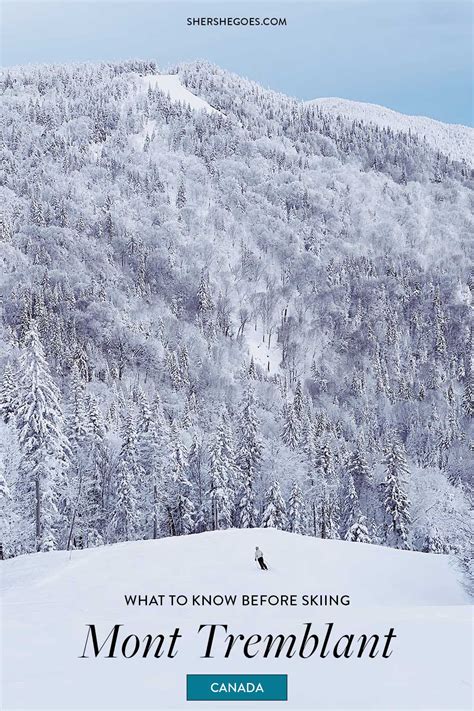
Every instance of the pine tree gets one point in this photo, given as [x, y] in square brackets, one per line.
[189, 413]
[433, 542]
[152, 443]
[352, 511]
[358, 532]
[358, 469]
[173, 369]
[252, 371]
[329, 507]
[250, 454]
[274, 514]
[439, 324]
[142, 403]
[95, 421]
[247, 508]
[8, 395]
[125, 519]
[92, 473]
[291, 431]
[396, 503]
[296, 510]
[313, 482]
[4, 490]
[220, 493]
[154, 466]
[222, 472]
[183, 366]
[298, 401]
[468, 393]
[37, 215]
[45, 451]
[78, 425]
[10, 526]
[179, 505]
[196, 467]
[181, 196]
[204, 295]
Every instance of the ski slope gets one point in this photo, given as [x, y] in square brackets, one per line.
[267, 357]
[454, 140]
[170, 84]
[49, 598]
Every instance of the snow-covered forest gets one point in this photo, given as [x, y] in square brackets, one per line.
[252, 315]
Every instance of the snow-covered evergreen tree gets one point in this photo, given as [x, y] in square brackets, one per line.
[125, 518]
[4, 490]
[358, 531]
[5, 500]
[298, 401]
[395, 498]
[329, 512]
[181, 196]
[314, 481]
[179, 506]
[8, 394]
[433, 542]
[352, 512]
[45, 451]
[249, 459]
[220, 477]
[204, 295]
[274, 513]
[77, 425]
[296, 510]
[291, 426]
[358, 469]
[468, 394]
[152, 443]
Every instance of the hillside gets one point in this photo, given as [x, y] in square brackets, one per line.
[454, 140]
[48, 599]
[224, 308]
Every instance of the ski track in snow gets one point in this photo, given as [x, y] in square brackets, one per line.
[454, 140]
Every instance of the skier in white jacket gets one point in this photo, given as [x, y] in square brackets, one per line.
[259, 558]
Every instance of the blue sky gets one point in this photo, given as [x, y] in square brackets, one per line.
[414, 56]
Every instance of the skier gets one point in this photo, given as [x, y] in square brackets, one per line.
[259, 557]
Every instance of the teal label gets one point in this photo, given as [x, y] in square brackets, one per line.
[237, 687]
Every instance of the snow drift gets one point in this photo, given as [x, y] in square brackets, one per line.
[49, 599]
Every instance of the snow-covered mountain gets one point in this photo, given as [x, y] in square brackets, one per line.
[455, 140]
[49, 599]
[222, 307]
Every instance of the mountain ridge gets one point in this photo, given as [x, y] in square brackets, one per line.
[456, 140]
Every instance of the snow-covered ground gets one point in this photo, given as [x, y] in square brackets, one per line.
[171, 85]
[268, 357]
[454, 140]
[48, 599]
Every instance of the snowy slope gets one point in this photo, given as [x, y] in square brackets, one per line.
[268, 357]
[454, 140]
[171, 85]
[48, 599]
